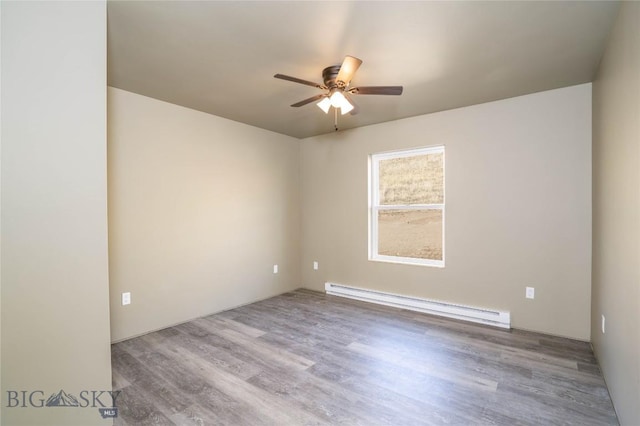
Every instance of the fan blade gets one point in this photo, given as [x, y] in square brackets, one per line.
[348, 68]
[299, 80]
[309, 100]
[377, 90]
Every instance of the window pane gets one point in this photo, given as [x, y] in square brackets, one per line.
[412, 180]
[410, 233]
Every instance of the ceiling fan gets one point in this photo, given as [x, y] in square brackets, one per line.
[336, 90]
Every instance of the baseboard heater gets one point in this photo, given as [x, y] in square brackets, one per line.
[500, 319]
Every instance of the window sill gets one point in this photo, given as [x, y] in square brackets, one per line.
[408, 261]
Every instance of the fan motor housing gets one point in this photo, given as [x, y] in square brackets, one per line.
[329, 75]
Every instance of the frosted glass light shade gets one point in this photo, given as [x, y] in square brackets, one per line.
[324, 104]
[346, 107]
[338, 99]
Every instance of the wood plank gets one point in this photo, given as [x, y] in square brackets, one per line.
[259, 347]
[439, 371]
[236, 326]
[271, 409]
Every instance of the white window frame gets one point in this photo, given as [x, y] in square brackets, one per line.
[375, 207]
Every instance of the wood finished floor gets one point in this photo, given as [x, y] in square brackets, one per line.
[307, 358]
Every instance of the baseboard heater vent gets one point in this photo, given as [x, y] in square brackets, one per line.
[466, 313]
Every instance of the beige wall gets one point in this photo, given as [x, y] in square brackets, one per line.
[200, 209]
[616, 214]
[55, 312]
[518, 208]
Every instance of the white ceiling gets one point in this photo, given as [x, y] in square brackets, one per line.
[220, 57]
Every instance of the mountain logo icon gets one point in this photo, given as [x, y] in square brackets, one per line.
[62, 399]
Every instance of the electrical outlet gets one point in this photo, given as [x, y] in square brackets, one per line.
[315, 266]
[126, 298]
[530, 293]
[602, 324]
[275, 269]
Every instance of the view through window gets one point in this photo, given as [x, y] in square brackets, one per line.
[407, 206]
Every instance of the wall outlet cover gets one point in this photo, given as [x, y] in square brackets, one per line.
[530, 293]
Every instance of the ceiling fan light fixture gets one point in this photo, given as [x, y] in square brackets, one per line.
[324, 104]
[336, 88]
[338, 99]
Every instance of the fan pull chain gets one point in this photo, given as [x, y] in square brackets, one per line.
[335, 118]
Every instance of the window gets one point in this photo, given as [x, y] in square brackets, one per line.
[407, 207]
